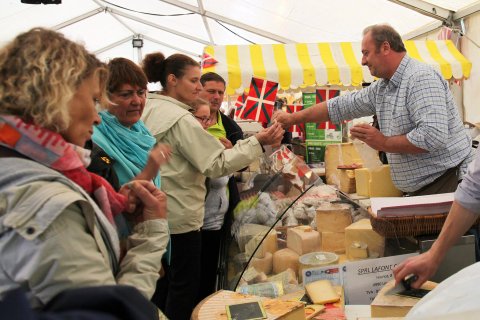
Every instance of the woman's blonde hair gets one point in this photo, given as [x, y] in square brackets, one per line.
[40, 71]
[197, 103]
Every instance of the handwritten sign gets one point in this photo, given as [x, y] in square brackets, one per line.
[362, 280]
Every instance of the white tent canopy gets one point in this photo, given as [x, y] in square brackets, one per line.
[108, 27]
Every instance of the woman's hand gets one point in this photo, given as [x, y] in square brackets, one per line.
[159, 155]
[146, 200]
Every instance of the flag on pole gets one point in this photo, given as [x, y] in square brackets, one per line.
[260, 100]
[296, 128]
[208, 61]
[240, 105]
[324, 95]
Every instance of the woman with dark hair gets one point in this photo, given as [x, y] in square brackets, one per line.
[57, 228]
[195, 155]
[121, 135]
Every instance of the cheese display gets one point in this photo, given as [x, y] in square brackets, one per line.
[333, 217]
[303, 239]
[375, 182]
[284, 259]
[339, 154]
[321, 292]
[264, 264]
[362, 232]
[333, 241]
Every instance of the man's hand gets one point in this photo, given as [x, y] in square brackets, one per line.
[370, 135]
[424, 266]
[283, 118]
[226, 143]
[148, 202]
[271, 136]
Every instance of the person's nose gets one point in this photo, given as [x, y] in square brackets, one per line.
[364, 61]
[136, 98]
[96, 119]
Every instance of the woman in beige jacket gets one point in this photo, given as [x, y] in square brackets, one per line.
[57, 228]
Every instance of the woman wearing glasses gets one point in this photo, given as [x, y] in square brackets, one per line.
[195, 155]
[125, 143]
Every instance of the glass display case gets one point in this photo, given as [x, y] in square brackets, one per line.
[274, 232]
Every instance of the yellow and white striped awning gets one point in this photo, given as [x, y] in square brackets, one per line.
[319, 64]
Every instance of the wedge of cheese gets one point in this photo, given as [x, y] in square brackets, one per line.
[321, 292]
[303, 239]
[375, 182]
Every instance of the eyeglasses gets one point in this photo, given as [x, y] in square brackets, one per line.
[203, 120]
[128, 94]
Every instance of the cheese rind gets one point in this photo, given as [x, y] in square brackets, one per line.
[321, 292]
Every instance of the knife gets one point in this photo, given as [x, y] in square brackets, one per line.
[404, 285]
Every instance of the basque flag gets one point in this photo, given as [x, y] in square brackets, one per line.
[296, 128]
[324, 95]
[260, 100]
[240, 104]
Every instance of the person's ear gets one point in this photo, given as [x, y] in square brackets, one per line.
[172, 79]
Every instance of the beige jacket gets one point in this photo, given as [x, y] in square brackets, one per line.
[54, 237]
[196, 154]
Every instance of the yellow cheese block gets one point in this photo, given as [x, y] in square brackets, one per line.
[339, 154]
[303, 239]
[264, 264]
[375, 182]
[321, 292]
[284, 259]
[333, 242]
[362, 232]
[333, 217]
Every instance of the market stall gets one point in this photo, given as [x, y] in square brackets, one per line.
[289, 237]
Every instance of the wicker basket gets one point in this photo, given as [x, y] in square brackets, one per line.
[395, 227]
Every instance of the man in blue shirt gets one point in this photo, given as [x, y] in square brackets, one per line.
[420, 129]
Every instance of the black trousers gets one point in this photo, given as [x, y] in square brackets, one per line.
[176, 292]
[211, 240]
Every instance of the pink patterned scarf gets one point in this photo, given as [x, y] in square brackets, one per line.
[50, 149]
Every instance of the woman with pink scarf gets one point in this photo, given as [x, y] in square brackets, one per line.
[57, 228]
